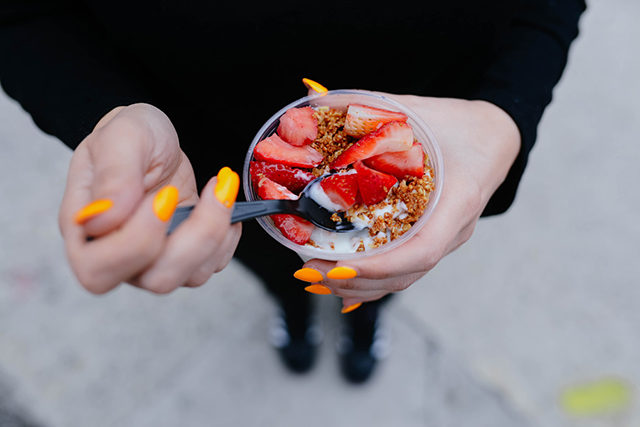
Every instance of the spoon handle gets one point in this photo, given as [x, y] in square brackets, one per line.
[242, 211]
[180, 214]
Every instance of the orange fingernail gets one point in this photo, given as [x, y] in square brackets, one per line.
[350, 308]
[92, 209]
[315, 86]
[308, 275]
[165, 202]
[318, 290]
[341, 273]
[226, 190]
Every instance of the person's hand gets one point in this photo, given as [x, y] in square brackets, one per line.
[124, 182]
[479, 143]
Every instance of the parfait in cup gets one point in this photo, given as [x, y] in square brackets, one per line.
[381, 165]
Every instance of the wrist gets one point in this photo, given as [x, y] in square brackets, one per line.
[507, 134]
[499, 142]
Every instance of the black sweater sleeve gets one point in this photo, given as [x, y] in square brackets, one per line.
[526, 66]
[58, 66]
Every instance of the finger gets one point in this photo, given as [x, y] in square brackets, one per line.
[77, 190]
[345, 285]
[351, 287]
[219, 261]
[444, 231]
[103, 263]
[200, 243]
[352, 304]
[103, 191]
[360, 295]
[313, 87]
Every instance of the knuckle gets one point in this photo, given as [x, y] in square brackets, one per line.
[379, 274]
[115, 128]
[93, 281]
[224, 262]
[199, 278]
[430, 258]
[110, 181]
[162, 290]
[339, 292]
[196, 283]
[344, 284]
[209, 232]
[144, 248]
[399, 285]
[213, 234]
[402, 284]
[160, 286]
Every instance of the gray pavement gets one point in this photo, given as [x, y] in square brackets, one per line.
[540, 299]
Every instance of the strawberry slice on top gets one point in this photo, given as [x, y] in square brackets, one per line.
[293, 227]
[373, 185]
[274, 150]
[362, 119]
[341, 188]
[401, 163]
[298, 126]
[391, 137]
[292, 178]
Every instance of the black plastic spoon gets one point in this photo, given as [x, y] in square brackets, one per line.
[304, 207]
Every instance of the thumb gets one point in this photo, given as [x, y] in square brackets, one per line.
[106, 181]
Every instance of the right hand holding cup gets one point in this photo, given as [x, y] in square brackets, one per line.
[124, 182]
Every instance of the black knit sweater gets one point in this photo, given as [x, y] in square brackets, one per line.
[69, 62]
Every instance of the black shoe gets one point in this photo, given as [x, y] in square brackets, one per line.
[361, 344]
[296, 341]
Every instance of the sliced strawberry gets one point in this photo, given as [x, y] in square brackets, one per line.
[271, 190]
[298, 126]
[373, 185]
[401, 163]
[341, 188]
[293, 227]
[362, 119]
[393, 136]
[292, 178]
[274, 150]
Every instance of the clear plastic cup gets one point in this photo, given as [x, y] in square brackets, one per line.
[340, 99]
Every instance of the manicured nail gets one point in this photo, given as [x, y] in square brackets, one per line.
[318, 290]
[93, 209]
[308, 275]
[226, 190]
[340, 273]
[350, 308]
[165, 202]
[315, 86]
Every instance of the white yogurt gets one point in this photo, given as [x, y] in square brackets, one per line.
[349, 242]
[339, 242]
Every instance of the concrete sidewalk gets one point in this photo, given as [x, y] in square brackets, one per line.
[540, 299]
